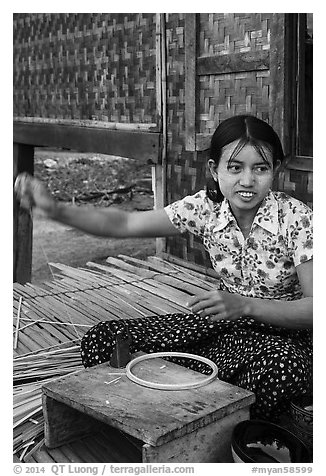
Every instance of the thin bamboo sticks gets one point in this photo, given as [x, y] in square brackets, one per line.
[17, 323]
[48, 349]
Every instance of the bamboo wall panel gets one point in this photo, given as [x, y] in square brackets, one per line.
[226, 95]
[230, 35]
[85, 66]
[298, 184]
[227, 33]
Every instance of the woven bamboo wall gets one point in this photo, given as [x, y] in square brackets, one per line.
[85, 66]
[297, 183]
[223, 95]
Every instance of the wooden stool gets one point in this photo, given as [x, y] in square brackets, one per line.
[192, 425]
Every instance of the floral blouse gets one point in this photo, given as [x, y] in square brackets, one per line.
[262, 265]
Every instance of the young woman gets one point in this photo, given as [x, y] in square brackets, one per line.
[256, 325]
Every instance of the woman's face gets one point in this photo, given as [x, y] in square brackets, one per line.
[245, 180]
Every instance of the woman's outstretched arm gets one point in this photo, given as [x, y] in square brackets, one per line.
[109, 222]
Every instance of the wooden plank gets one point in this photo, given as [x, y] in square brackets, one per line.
[89, 123]
[233, 63]
[207, 444]
[143, 146]
[23, 161]
[279, 104]
[64, 424]
[301, 163]
[152, 416]
[190, 33]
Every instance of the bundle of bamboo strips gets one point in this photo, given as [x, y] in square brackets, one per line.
[31, 371]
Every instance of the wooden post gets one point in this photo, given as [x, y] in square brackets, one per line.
[159, 169]
[190, 80]
[22, 222]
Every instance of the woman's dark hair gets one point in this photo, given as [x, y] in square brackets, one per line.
[250, 130]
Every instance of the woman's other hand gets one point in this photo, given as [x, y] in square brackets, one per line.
[219, 305]
[32, 193]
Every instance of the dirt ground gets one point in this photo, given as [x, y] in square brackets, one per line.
[71, 175]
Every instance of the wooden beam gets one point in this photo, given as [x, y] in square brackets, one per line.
[233, 63]
[279, 67]
[159, 170]
[143, 146]
[190, 80]
[302, 163]
[22, 222]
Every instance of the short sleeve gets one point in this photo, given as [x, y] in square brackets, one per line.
[189, 213]
[300, 228]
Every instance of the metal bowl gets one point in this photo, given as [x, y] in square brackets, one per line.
[256, 441]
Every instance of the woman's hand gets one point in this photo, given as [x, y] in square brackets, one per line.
[219, 305]
[33, 193]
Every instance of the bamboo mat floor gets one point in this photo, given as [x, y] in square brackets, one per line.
[50, 319]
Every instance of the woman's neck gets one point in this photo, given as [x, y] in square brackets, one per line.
[244, 218]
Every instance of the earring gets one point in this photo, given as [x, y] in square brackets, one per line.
[213, 190]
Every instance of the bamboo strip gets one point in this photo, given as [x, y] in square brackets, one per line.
[70, 454]
[17, 323]
[58, 455]
[37, 289]
[60, 309]
[34, 309]
[33, 412]
[28, 342]
[53, 304]
[152, 302]
[79, 308]
[39, 321]
[48, 352]
[29, 456]
[90, 311]
[159, 273]
[148, 264]
[156, 304]
[40, 350]
[41, 337]
[128, 277]
[118, 305]
[171, 293]
[188, 268]
[78, 274]
[134, 301]
[123, 265]
[53, 323]
[164, 293]
[59, 286]
[22, 348]
[43, 456]
[21, 290]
